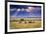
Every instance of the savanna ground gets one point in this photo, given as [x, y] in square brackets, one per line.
[25, 23]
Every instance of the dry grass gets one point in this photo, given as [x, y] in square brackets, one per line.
[34, 24]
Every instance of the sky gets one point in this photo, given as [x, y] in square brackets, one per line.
[25, 11]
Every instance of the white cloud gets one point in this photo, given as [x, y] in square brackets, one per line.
[18, 9]
[13, 9]
[29, 9]
[22, 9]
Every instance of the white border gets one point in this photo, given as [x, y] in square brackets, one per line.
[8, 19]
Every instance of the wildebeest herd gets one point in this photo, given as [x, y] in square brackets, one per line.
[25, 23]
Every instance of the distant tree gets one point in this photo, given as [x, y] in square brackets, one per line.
[22, 20]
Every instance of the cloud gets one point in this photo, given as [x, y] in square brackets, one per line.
[29, 9]
[18, 9]
[13, 9]
[22, 9]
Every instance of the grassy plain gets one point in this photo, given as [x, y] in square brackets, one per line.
[34, 23]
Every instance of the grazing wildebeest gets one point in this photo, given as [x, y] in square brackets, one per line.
[30, 22]
[20, 22]
[25, 22]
